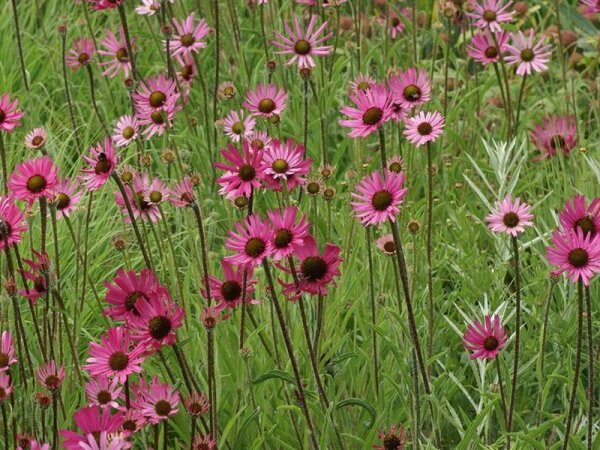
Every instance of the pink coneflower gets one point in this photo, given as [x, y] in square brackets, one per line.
[528, 54]
[34, 445]
[188, 36]
[37, 276]
[157, 321]
[378, 197]
[156, 402]
[183, 195]
[196, 404]
[393, 439]
[259, 139]
[483, 49]
[361, 83]
[81, 54]
[125, 131]
[156, 192]
[103, 392]
[148, 7]
[7, 351]
[386, 244]
[91, 420]
[590, 8]
[115, 357]
[374, 108]
[554, 134]
[204, 442]
[287, 234]
[156, 94]
[395, 25]
[36, 138]
[6, 388]
[186, 75]
[243, 173]
[303, 45]
[251, 241]
[578, 215]
[424, 128]
[411, 88]
[156, 122]
[12, 224]
[33, 179]
[105, 4]
[133, 422]
[10, 116]
[101, 164]
[228, 292]
[510, 216]
[285, 162]
[491, 14]
[395, 164]
[136, 193]
[236, 126]
[575, 253]
[116, 53]
[50, 376]
[104, 441]
[65, 196]
[265, 100]
[127, 289]
[315, 271]
[485, 340]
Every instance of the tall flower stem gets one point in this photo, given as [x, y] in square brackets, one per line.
[501, 384]
[136, 230]
[590, 387]
[123, 18]
[212, 389]
[19, 44]
[93, 95]
[63, 37]
[63, 313]
[263, 32]
[55, 395]
[519, 102]
[203, 250]
[217, 63]
[5, 424]
[428, 245]
[513, 384]
[290, 350]
[577, 365]
[4, 167]
[373, 309]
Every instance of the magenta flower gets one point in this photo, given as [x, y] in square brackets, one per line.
[7, 351]
[251, 241]
[136, 194]
[228, 292]
[554, 134]
[50, 376]
[35, 445]
[36, 138]
[287, 234]
[243, 173]
[91, 420]
[196, 404]
[65, 196]
[303, 45]
[527, 54]
[81, 54]
[484, 50]
[393, 439]
[590, 8]
[125, 131]
[116, 53]
[99, 5]
[510, 217]
[126, 289]
[486, 339]
[491, 14]
[33, 179]
[115, 357]
[266, 100]
[101, 164]
[285, 162]
[103, 392]
[386, 244]
[395, 25]
[157, 321]
[316, 272]
[182, 195]
[12, 223]
[188, 37]
[424, 128]
[204, 442]
[10, 116]
[260, 140]
[411, 88]
[578, 215]
[156, 402]
[378, 197]
[374, 108]
[6, 388]
[576, 254]
[236, 126]
[37, 276]
[362, 82]
[156, 94]
[156, 121]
